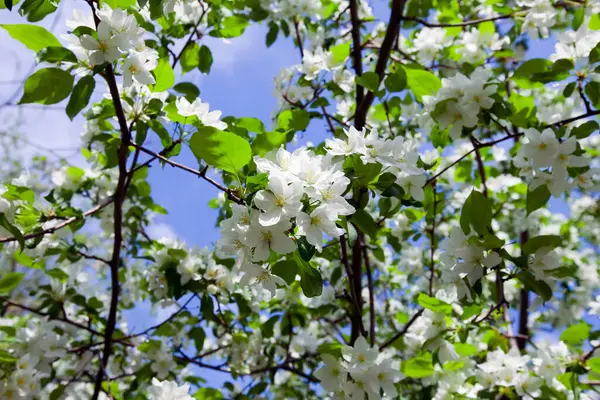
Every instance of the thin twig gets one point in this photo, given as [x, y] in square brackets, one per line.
[404, 329]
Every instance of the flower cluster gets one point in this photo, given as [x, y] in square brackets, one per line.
[462, 99]
[370, 373]
[119, 37]
[200, 110]
[305, 190]
[168, 390]
[39, 346]
[397, 156]
[545, 160]
[463, 260]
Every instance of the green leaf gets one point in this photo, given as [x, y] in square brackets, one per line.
[539, 287]
[272, 34]
[340, 52]
[293, 119]
[335, 349]
[10, 281]
[538, 242]
[476, 212]
[252, 124]
[368, 80]
[6, 4]
[536, 72]
[34, 37]
[189, 90]
[584, 130]
[190, 58]
[592, 90]
[165, 77]
[123, 4]
[418, 367]
[206, 59]
[537, 198]
[311, 281]
[594, 56]
[265, 142]
[594, 364]
[433, 304]
[58, 274]
[232, 26]
[594, 23]
[465, 349]
[82, 92]
[36, 10]
[306, 250]
[56, 55]
[422, 83]
[396, 81]
[286, 270]
[364, 222]
[47, 86]
[576, 334]
[13, 230]
[223, 150]
[198, 336]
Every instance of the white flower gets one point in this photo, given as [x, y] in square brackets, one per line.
[282, 201]
[168, 390]
[105, 49]
[354, 144]
[138, 66]
[542, 148]
[384, 376]
[413, 185]
[313, 63]
[458, 116]
[473, 262]
[257, 275]
[267, 238]
[543, 260]
[540, 16]
[332, 375]
[200, 110]
[320, 221]
[361, 357]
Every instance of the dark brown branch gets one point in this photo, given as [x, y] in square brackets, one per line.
[363, 105]
[201, 174]
[41, 313]
[523, 305]
[63, 224]
[190, 38]
[404, 329]
[371, 295]
[356, 51]
[119, 197]
[456, 25]
[298, 38]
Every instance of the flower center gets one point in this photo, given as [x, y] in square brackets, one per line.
[279, 201]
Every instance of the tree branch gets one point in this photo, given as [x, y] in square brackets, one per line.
[6, 300]
[371, 295]
[403, 331]
[456, 25]
[201, 174]
[362, 105]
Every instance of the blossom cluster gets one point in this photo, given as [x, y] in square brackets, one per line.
[397, 156]
[302, 187]
[545, 160]
[370, 371]
[119, 38]
[463, 98]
